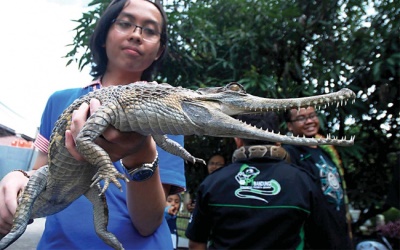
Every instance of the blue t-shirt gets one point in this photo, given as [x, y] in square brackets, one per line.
[73, 228]
[171, 220]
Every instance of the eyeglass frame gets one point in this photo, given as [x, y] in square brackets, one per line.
[116, 20]
[303, 119]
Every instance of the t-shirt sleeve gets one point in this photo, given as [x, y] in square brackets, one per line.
[46, 125]
[55, 106]
[316, 229]
[199, 227]
[172, 167]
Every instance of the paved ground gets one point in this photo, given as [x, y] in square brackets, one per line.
[30, 239]
[183, 243]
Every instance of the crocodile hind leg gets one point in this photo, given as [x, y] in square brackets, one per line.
[100, 216]
[35, 186]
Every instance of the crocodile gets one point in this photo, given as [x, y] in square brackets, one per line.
[148, 108]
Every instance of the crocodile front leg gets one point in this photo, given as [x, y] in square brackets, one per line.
[108, 173]
[95, 154]
[35, 186]
[175, 148]
[100, 216]
[99, 158]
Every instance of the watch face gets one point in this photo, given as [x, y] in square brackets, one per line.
[142, 174]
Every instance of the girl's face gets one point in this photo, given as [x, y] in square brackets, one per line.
[126, 50]
[174, 201]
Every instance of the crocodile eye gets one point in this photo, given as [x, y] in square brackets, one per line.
[236, 87]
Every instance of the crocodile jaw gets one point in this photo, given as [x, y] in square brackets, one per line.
[211, 115]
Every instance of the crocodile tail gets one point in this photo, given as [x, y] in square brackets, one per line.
[36, 184]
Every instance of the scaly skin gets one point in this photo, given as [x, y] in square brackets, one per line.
[149, 109]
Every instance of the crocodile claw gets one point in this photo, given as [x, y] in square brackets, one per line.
[109, 175]
[198, 160]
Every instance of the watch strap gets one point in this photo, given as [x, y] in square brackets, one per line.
[142, 173]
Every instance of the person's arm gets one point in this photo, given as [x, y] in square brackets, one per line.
[10, 186]
[199, 226]
[193, 245]
[190, 205]
[316, 233]
[145, 200]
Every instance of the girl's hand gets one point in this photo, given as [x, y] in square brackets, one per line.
[10, 186]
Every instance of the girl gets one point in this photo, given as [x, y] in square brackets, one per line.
[128, 43]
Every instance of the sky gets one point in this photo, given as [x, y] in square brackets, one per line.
[34, 35]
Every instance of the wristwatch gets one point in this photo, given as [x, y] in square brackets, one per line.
[143, 172]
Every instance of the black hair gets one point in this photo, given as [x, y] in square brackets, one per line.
[287, 115]
[267, 121]
[217, 154]
[99, 36]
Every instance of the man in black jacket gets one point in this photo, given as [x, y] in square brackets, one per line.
[260, 201]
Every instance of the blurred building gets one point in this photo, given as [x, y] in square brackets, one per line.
[16, 146]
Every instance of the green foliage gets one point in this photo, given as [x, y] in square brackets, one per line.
[85, 27]
[291, 48]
